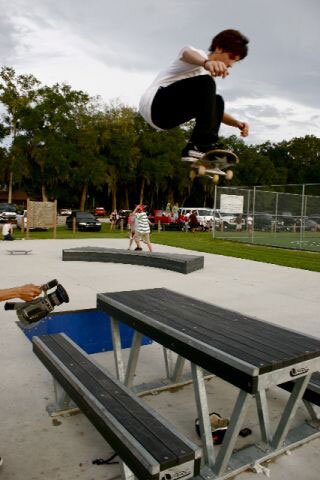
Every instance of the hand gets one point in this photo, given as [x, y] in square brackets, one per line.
[216, 68]
[244, 129]
[28, 292]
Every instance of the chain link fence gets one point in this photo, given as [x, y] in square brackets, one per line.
[273, 216]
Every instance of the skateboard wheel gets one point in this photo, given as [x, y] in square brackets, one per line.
[229, 175]
[215, 179]
[202, 170]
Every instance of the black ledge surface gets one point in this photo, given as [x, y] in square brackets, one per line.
[170, 261]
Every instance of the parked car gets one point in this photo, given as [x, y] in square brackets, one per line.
[22, 220]
[8, 211]
[206, 216]
[100, 212]
[160, 216]
[262, 221]
[65, 211]
[84, 221]
[307, 224]
[123, 217]
[229, 219]
[311, 225]
[316, 218]
[203, 214]
[287, 220]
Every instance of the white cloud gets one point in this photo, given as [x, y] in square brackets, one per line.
[114, 49]
[275, 118]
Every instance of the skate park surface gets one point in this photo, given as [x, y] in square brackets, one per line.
[35, 446]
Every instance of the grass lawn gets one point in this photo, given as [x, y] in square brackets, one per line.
[203, 242]
[309, 240]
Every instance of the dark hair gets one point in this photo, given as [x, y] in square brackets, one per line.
[231, 41]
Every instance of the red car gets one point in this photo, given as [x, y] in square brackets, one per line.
[160, 215]
[100, 212]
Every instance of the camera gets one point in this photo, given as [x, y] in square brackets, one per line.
[35, 310]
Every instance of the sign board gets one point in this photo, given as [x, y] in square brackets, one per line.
[41, 214]
[231, 203]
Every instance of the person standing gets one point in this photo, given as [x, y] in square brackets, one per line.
[250, 224]
[132, 233]
[175, 212]
[113, 219]
[142, 227]
[239, 222]
[193, 221]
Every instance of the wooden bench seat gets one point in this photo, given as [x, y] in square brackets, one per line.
[147, 444]
[312, 392]
[170, 261]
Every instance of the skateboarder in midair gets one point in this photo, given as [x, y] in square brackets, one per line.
[186, 90]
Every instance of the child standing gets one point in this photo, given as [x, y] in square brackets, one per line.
[142, 227]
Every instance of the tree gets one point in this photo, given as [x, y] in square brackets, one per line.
[17, 92]
[160, 167]
[86, 163]
[119, 149]
[60, 141]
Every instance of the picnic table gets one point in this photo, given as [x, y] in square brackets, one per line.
[250, 354]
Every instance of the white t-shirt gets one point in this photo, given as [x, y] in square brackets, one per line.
[6, 229]
[177, 70]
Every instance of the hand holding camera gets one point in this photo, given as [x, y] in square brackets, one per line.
[34, 310]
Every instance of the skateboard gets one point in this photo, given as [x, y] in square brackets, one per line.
[219, 158]
[17, 252]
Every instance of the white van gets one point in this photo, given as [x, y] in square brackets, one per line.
[204, 215]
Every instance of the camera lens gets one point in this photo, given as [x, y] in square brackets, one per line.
[49, 285]
[58, 296]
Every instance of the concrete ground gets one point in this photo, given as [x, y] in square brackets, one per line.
[36, 446]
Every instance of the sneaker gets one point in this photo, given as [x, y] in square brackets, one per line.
[219, 427]
[217, 422]
[192, 151]
[138, 249]
[1, 461]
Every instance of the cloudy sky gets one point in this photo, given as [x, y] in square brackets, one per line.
[114, 48]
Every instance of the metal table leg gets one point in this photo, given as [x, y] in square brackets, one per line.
[232, 433]
[117, 352]
[263, 415]
[289, 411]
[133, 358]
[312, 411]
[203, 415]
[177, 374]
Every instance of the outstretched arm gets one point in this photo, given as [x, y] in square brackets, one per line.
[232, 122]
[214, 67]
[25, 292]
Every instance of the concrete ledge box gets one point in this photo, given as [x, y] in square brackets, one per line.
[170, 261]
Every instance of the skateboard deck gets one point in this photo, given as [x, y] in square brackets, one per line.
[212, 160]
[19, 252]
